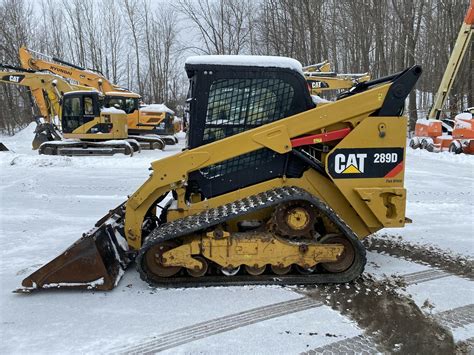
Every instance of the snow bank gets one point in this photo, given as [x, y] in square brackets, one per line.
[442, 157]
[248, 60]
[157, 108]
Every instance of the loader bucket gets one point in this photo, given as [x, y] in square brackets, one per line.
[96, 261]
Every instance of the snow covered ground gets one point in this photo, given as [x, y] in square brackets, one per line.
[47, 202]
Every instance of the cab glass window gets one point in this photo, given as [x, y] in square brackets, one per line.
[88, 106]
[72, 106]
[237, 105]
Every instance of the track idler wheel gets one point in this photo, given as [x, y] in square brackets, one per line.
[255, 271]
[154, 260]
[198, 272]
[281, 270]
[230, 271]
[345, 260]
[305, 271]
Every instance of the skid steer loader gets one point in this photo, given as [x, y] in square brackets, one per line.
[270, 190]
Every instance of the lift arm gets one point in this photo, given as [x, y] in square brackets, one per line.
[457, 55]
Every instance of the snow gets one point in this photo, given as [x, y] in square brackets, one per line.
[158, 108]
[47, 202]
[248, 60]
[319, 100]
[463, 120]
[424, 121]
[440, 201]
[111, 110]
[90, 285]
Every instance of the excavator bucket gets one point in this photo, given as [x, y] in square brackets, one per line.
[96, 261]
[44, 132]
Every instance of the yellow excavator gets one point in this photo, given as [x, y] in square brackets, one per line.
[271, 189]
[87, 128]
[143, 124]
[320, 78]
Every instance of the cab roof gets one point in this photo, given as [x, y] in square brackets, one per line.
[247, 61]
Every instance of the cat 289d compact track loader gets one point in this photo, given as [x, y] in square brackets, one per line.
[271, 188]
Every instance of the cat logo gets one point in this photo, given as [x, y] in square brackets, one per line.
[358, 163]
[350, 163]
[14, 78]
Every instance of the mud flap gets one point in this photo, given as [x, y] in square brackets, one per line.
[96, 261]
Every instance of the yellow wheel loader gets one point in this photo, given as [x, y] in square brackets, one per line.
[146, 127]
[271, 189]
[86, 127]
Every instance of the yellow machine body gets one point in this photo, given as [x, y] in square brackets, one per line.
[352, 186]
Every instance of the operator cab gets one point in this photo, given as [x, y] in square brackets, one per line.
[232, 94]
[127, 102]
[79, 108]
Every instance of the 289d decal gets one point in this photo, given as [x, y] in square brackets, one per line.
[365, 163]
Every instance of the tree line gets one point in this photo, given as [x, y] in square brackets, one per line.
[142, 44]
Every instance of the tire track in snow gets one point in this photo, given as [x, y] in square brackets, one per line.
[453, 318]
[202, 330]
[423, 254]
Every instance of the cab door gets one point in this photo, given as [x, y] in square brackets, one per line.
[71, 118]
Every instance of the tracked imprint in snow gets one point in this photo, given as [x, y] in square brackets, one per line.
[205, 329]
[388, 316]
[363, 344]
[429, 255]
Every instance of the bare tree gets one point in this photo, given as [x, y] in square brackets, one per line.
[224, 26]
[134, 21]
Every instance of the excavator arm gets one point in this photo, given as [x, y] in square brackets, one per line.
[320, 82]
[80, 75]
[48, 88]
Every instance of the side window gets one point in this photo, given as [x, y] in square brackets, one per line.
[116, 102]
[131, 105]
[72, 106]
[88, 106]
[236, 105]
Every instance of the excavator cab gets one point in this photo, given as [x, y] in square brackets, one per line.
[82, 117]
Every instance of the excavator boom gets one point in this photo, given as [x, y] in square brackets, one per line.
[80, 75]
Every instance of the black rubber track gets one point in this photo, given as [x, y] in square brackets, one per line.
[215, 216]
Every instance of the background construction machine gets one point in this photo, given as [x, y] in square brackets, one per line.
[269, 184]
[145, 123]
[47, 90]
[456, 135]
[321, 79]
[86, 127]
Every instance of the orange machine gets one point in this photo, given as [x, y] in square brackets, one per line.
[456, 135]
